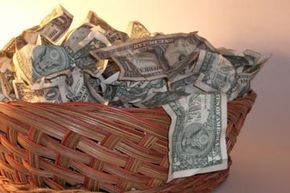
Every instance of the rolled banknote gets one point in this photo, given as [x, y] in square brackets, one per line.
[197, 134]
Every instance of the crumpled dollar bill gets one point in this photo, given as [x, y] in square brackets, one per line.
[182, 72]
[138, 68]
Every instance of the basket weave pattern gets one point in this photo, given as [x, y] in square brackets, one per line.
[92, 147]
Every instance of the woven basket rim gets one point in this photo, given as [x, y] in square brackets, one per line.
[77, 144]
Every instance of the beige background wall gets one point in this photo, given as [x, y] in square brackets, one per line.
[262, 155]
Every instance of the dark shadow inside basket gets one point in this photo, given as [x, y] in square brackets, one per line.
[93, 147]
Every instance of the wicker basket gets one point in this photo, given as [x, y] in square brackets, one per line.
[92, 147]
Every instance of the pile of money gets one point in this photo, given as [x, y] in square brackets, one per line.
[94, 62]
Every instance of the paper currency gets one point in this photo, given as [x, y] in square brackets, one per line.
[216, 72]
[136, 91]
[35, 62]
[85, 38]
[8, 49]
[7, 75]
[113, 35]
[46, 94]
[252, 56]
[22, 62]
[96, 89]
[41, 40]
[247, 65]
[180, 87]
[197, 134]
[75, 87]
[54, 25]
[52, 28]
[6, 79]
[161, 98]
[153, 57]
[137, 30]
[111, 73]
[95, 62]
[74, 37]
[84, 60]
[6, 63]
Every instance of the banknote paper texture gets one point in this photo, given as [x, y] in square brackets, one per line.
[183, 72]
[137, 30]
[197, 135]
[153, 57]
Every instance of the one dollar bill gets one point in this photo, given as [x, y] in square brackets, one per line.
[153, 57]
[197, 134]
